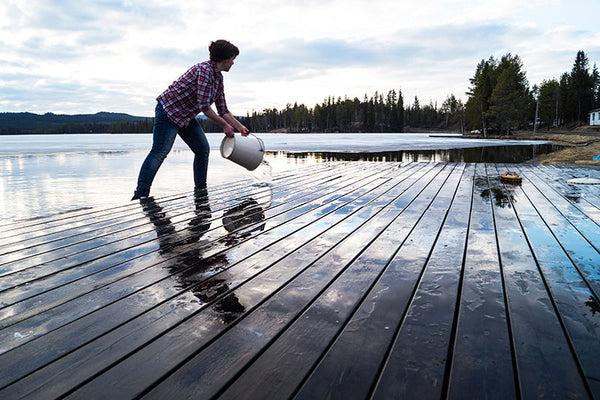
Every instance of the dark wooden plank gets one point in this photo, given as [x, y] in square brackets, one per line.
[575, 231]
[158, 320]
[281, 368]
[20, 230]
[352, 365]
[584, 196]
[287, 216]
[164, 354]
[571, 296]
[188, 210]
[220, 361]
[76, 239]
[59, 230]
[415, 360]
[359, 280]
[546, 365]
[30, 275]
[482, 362]
[48, 224]
[586, 219]
[562, 173]
[63, 293]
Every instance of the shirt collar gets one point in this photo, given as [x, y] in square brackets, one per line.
[216, 71]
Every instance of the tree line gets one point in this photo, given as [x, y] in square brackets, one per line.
[143, 126]
[500, 98]
[102, 122]
[376, 113]
[569, 99]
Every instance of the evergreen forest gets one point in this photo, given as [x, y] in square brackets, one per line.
[499, 100]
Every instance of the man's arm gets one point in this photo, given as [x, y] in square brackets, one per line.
[227, 128]
[235, 123]
[227, 122]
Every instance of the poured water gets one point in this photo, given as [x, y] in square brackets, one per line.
[263, 174]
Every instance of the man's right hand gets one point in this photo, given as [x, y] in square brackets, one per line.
[228, 130]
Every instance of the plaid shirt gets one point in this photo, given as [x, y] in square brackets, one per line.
[193, 93]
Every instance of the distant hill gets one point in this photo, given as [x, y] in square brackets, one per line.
[26, 122]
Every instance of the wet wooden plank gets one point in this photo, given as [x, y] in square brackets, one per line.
[56, 279]
[583, 217]
[76, 241]
[303, 342]
[482, 344]
[327, 198]
[409, 359]
[585, 197]
[349, 280]
[351, 301]
[575, 231]
[325, 206]
[544, 357]
[576, 305]
[282, 268]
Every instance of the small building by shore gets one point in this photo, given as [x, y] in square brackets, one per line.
[595, 117]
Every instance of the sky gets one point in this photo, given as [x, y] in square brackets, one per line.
[76, 57]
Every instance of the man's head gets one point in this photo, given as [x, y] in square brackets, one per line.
[221, 50]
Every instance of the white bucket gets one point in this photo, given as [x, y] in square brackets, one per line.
[246, 151]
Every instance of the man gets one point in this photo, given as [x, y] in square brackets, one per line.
[194, 92]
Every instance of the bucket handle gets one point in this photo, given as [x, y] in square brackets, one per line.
[262, 144]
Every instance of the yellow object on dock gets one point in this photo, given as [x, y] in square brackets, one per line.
[510, 177]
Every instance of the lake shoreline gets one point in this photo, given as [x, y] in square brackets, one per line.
[579, 146]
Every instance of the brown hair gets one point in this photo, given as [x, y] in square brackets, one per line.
[222, 50]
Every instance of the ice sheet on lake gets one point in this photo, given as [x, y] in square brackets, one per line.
[44, 175]
[315, 142]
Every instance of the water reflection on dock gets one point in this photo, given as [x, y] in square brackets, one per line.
[335, 280]
[487, 154]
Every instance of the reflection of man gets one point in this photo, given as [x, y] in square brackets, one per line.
[243, 218]
[167, 236]
[189, 264]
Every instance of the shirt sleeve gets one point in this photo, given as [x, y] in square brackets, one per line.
[211, 90]
[205, 84]
[220, 100]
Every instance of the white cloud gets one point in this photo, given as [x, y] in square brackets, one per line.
[71, 56]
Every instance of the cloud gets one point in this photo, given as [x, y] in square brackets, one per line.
[70, 56]
[171, 56]
[420, 61]
[431, 45]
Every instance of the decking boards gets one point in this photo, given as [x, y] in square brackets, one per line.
[338, 280]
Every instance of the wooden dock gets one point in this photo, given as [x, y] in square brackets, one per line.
[345, 280]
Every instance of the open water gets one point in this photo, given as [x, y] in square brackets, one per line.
[43, 175]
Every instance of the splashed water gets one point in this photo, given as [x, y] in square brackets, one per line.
[262, 186]
[263, 174]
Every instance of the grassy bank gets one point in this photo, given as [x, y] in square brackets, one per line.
[581, 145]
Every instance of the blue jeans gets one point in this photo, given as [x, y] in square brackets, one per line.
[163, 137]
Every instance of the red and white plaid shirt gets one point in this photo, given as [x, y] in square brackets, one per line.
[193, 93]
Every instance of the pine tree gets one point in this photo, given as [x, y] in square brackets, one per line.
[550, 105]
[510, 97]
[580, 90]
[400, 110]
[480, 92]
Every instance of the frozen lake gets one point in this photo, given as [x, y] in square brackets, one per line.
[315, 142]
[42, 175]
